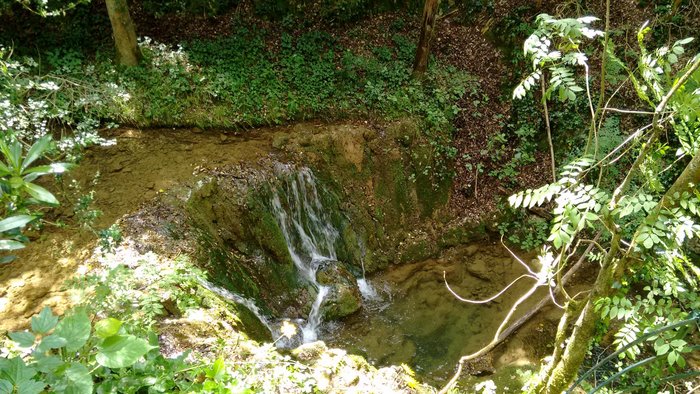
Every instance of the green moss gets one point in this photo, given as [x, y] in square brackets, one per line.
[392, 191]
[416, 251]
[462, 234]
[432, 191]
[252, 326]
[266, 231]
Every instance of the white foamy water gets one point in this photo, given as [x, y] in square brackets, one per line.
[368, 292]
[309, 234]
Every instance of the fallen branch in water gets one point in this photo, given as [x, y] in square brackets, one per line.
[500, 336]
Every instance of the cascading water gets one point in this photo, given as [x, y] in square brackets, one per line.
[309, 234]
[366, 289]
[238, 299]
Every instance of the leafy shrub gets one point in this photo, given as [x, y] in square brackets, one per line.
[71, 355]
[194, 7]
[524, 231]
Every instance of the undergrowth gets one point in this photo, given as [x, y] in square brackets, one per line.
[245, 80]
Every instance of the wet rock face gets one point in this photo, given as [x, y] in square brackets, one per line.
[343, 296]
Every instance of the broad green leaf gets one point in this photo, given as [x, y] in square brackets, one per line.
[5, 387]
[16, 371]
[7, 259]
[680, 361]
[8, 244]
[36, 150]
[23, 338]
[217, 370]
[53, 168]
[121, 351]
[52, 341]
[77, 380]
[75, 329]
[30, 387]
[13, 154]
[14, 222]
[40, 193]
[678, 343]
[107, 327]
[16, 182]
[672, 358]
[4, 169]
[661, 347]
[48, 364]
[44, 322]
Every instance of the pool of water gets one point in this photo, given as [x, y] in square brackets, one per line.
[415, 320]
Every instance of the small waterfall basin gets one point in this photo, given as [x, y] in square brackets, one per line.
[412, 318]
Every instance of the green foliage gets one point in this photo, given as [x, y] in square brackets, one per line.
[70, 96]
[243, 83]
[136, 299]
[42, 8]
[19, 195]
[522, 155]
[555, 47]
[326, 11]
[654, 224]
[70, 355]
[114, 291]
[194, 7]
[526, 232]
[66, 356]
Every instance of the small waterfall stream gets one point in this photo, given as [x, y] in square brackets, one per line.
[309, 234]
[238, 299]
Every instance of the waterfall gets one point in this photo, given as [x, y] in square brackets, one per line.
[309, 234]
[367, 290]
[238, 299]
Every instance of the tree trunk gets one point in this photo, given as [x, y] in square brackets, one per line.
[128, 53]
[427, 33]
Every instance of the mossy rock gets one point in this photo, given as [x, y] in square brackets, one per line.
[343, 296]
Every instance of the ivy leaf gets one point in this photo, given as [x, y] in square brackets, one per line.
[44, 322]
[23, 338]
[75, 329]
[121, 351]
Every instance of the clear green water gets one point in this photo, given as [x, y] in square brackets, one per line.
[418, 322]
